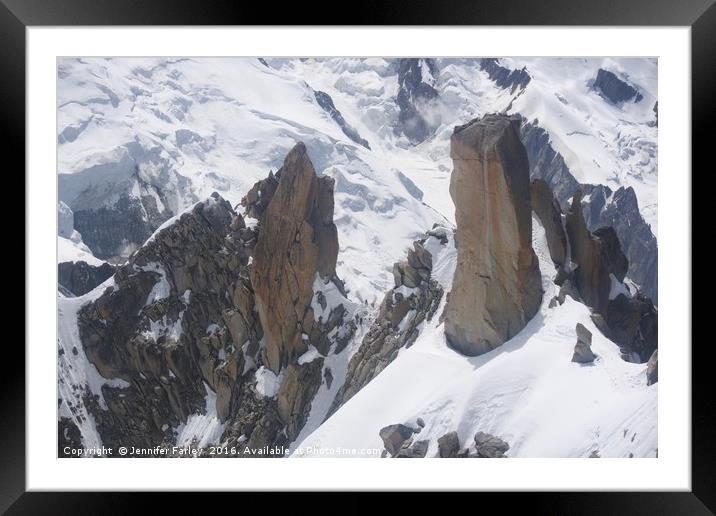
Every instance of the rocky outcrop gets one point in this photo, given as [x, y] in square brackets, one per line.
[505, 78]
[601, 207]
[620, 210]
[183, 323]
[652, 368]
[597, 255]
[614, 88]
[549, 213]
[414, 299]
[546, 163]
[448, 445]
[326, 102]
[79, 277]
[297, 240]
[178, 322]
[415, 98]
[299, 385]
[394, 436]
[633, 323]
[497, 283]
[489, 446]
[583, 349]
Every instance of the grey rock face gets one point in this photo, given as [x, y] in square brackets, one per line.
[80, 277]
[583, 349]
[394, 436]
[547, 164]
[326, 102]
[490, 446]
[298, 387]
[597, 255]
[652, 368]
[414, 98]
[614, 88]
[549, 213]
[633, 323]
[497, 283]
[112, 231]
[383, 341]
[620, 210]
[505, 77]
[448, 445]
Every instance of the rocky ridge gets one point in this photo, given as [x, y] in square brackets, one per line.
[413, 300]
[183, 324]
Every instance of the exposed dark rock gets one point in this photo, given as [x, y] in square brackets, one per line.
[68, 436]
[298, 387]
[394, 436]
[583, 349]
[414, 99]
[614, 88]
[150, 329]
[490, 446]
[620, 210]
[80, 277]
[326, 102]
[258, 197]
[181, 319]
[632, 322]
[505, 77]
[549, 213]
[448, 445]
[597, 255]
[652, 368]
[420, 422]
[415, 450]
[115, 231]
[547, 164]
[497, 284]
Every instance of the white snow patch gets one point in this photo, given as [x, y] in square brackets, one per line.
[267, 383]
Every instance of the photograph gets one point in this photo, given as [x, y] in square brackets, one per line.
[342, 257]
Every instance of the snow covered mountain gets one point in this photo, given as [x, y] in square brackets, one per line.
[143, 141]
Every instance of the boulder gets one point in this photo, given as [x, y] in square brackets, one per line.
[448, 445]
[497, 283]
[583, 349]
[490, 446]
[394, 436]
[416, 450]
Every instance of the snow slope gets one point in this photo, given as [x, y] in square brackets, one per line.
[527, 391]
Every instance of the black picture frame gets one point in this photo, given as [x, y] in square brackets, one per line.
[700, 15]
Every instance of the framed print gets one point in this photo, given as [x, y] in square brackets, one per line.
[450, 239]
